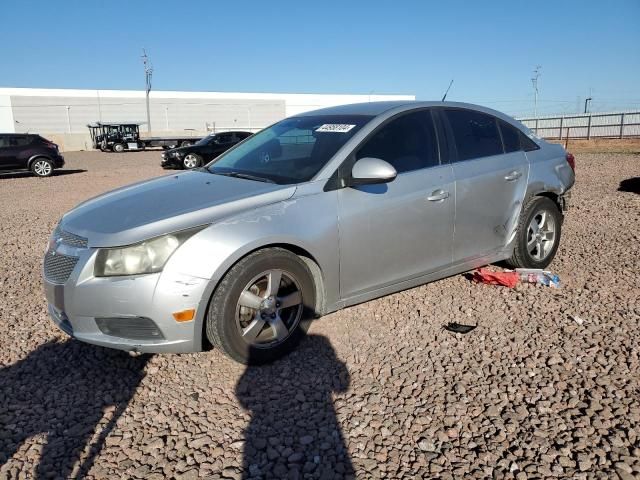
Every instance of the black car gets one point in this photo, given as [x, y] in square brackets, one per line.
[23, 151]
[202, 152]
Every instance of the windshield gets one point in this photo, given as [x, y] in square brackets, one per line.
[291, 151]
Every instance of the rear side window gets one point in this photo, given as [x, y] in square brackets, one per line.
[475, 133]
[407, 142]
[510, 137]
[19, 141]
[4, 141]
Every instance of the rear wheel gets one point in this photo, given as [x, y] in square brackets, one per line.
[118, 147]
[262, 307]
[186, 143]
[42, 167]
[538, 234]
[192, 160]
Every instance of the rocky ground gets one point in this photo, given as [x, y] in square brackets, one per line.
[546, 385]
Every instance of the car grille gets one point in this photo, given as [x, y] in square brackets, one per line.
[71, 239]
[58, 267]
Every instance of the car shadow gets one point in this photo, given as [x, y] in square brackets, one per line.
[26, 173]
[631, 185]
[64, 390]
[294, 431]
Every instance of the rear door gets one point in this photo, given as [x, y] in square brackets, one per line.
[402, 229]
[490, 184]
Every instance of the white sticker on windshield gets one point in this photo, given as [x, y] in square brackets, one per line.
[335, 127]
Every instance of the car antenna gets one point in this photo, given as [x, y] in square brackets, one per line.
[445, 93]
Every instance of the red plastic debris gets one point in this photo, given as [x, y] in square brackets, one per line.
[507, 279]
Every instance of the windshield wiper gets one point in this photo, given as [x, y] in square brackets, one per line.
[246, 176]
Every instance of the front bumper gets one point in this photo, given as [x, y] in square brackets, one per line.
[170, 162]
[131, 313]
[58, 162]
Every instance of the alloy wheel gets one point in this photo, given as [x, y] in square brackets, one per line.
[541, 235]
[269, 309]
[190, 161]
[42, 168]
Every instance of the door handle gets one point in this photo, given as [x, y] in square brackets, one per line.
[438, 195]
[511, 176]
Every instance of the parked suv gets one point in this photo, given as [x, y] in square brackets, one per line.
[23, 151]
[203, 151]
[318, 212]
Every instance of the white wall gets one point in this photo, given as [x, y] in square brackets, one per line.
[65, 113]
[7, 125]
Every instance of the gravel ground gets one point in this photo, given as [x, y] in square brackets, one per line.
[547, 385]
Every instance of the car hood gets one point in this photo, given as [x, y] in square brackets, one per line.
[183, 150]
[167, 204]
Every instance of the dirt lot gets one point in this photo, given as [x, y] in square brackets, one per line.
[547, 385]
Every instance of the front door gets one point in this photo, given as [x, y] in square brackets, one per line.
[402, 229]
[490, 185]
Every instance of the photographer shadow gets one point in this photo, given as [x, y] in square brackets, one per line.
[64, 390]
[294, 430]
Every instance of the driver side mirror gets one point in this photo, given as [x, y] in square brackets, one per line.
[370, 171]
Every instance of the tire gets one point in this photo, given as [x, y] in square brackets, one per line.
[192, 160]
[118, 147]
[186, 143]
[276, 330]
[529, 252]
[42, 167]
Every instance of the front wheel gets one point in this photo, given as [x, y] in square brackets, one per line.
[118, 147]
[538, 234]
[42, 167]
[262, 307]
[192, 161]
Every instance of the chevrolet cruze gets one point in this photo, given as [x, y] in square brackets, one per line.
[320, 211]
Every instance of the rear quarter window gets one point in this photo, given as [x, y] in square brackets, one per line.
[476, 134]
[510, 137]
[527, 144]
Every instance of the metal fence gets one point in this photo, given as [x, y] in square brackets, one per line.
[586, 126]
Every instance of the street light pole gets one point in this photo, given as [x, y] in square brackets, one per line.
[586, 104]
[148, 73]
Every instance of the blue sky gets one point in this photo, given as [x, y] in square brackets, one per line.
[416, 47]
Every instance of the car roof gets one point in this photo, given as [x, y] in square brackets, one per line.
[369, 108]
[379, 108]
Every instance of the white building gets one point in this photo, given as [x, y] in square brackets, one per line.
[62, 115]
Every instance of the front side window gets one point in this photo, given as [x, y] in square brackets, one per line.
[475, 133]
[407, 142]
[291, 151]
[224, 138]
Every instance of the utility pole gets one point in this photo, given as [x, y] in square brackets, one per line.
[534, 82]
[148, 73]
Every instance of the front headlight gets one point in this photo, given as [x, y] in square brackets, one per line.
[149, 256]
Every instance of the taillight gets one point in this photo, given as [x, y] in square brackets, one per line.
[571, 160]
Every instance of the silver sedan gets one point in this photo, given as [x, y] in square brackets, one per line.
[315, 213]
